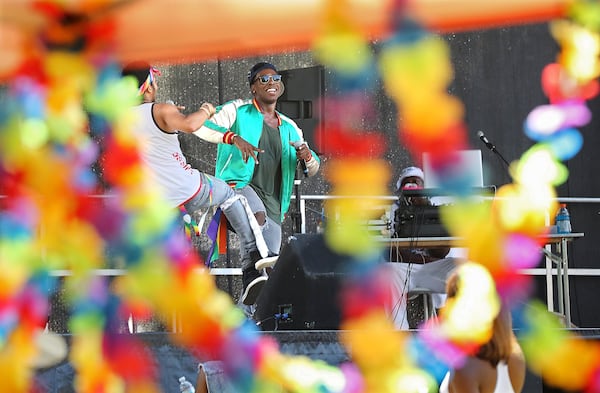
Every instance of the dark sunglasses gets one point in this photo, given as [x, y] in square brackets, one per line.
[264, 79]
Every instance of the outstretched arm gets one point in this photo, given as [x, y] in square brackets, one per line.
[220, 132]
[169, 118]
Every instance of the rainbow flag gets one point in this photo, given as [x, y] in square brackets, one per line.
[217, 232]
[189, 224]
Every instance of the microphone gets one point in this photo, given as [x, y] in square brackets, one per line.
[491, 146]
[486, 141]
[297, 145]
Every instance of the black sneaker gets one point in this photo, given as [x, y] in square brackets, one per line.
[253, 282]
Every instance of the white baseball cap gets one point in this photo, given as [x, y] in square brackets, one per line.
[411, 171]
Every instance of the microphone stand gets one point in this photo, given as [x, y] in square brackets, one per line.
[297, 214]
[493, 149]
[496, 152]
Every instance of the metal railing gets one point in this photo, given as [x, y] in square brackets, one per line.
[304, 212]
[311, 213]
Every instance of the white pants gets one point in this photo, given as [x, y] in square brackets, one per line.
[406, 277]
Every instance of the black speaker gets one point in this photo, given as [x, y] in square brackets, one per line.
[303, 288]
[301, 100]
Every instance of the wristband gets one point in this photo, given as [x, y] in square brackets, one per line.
[206, 110]
[229, 137]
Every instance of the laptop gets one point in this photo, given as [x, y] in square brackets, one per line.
[424, 220]
[470, 165]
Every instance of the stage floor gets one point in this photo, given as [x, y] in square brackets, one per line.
[173, 362]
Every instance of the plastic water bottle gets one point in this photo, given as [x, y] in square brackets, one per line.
[186, 386]
[563, 219]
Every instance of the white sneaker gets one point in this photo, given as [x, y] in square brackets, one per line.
[267, 262]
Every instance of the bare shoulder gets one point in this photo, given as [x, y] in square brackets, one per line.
[517, 370]
[476, 376]
[162, 108]
[165, 114]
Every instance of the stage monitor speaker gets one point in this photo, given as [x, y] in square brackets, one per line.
[303, 289]
[302, 102]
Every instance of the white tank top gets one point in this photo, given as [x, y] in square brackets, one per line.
[162, 155]
[503, 384]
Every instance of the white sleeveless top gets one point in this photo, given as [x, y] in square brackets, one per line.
[503, 384]
[162, 155]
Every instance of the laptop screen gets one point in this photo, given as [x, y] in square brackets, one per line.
[470, 164]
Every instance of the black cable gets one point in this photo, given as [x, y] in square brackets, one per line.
[414, 227]
[403, 293]
[259, 323]
[277, 317]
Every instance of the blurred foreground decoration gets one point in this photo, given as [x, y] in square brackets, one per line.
[61, 60]
[191, 30]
